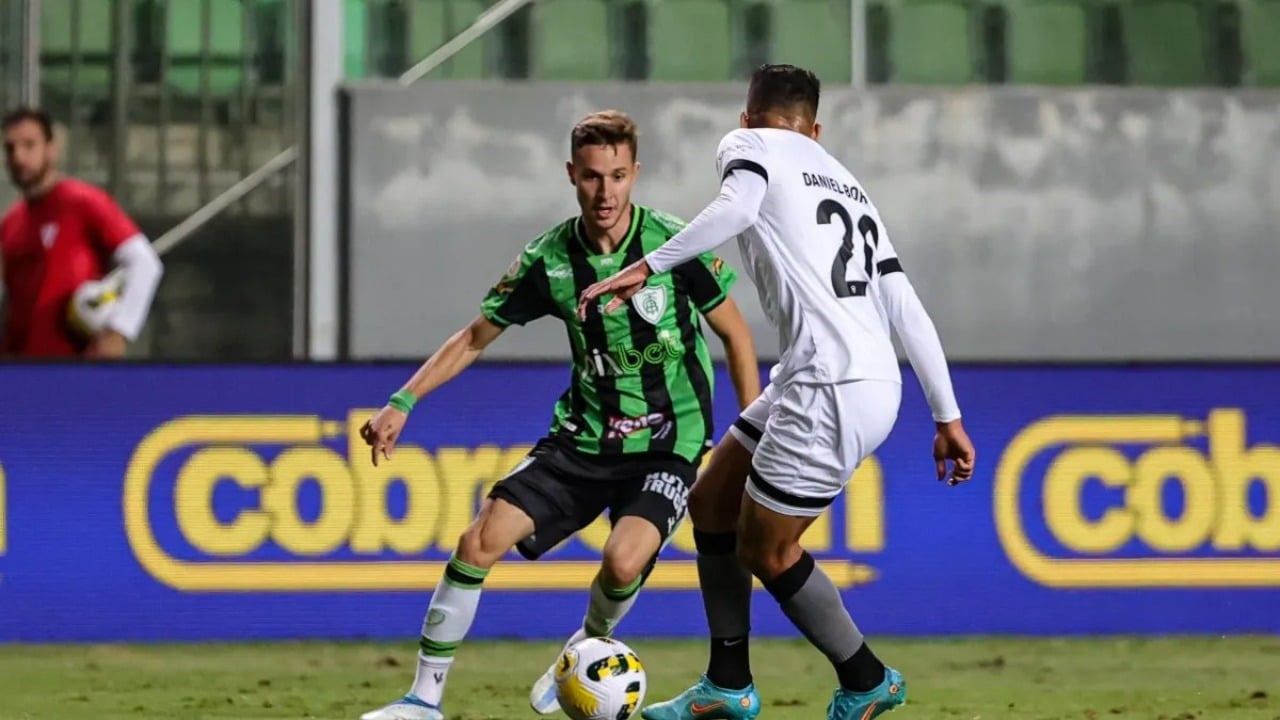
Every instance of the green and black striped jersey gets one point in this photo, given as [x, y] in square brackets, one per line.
[642, 377]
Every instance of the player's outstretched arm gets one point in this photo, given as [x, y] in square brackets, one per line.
[455, 355]
[924, 350]
[739, 349]
[733, 211]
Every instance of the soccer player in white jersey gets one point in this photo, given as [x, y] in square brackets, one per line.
[829, 279]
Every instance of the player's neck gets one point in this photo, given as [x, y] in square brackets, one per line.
[43, 187]
[607, 240]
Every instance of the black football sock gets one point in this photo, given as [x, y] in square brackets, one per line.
[726, 597]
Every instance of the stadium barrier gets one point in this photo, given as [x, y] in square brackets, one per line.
[143, 502]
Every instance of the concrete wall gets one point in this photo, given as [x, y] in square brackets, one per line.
[1083, 224]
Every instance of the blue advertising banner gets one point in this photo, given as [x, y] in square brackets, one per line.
[142, 502]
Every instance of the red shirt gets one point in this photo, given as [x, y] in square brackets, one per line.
[50, 245]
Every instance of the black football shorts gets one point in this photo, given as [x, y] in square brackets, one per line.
[564, 490]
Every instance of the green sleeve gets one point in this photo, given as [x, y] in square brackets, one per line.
[708, 279]
[522, 294]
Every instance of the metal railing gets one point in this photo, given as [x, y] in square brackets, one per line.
[167, 103]
[485, 22]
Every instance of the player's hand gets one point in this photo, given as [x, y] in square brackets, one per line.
[622, 286]
[382, 431]
[952, 443]
[107, 345]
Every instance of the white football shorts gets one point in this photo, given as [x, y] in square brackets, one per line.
[807, 440]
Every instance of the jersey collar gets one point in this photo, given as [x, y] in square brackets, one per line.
[580, 232]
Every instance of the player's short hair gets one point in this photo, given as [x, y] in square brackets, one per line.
[783, 88]
[605, 127]
[29, 114]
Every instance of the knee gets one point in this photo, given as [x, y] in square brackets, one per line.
[623, 567]
[767, 559]
[478, 547]
[713, 507]
[702, 506]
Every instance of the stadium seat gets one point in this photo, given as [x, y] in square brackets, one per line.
[1164, 43]
[1048, 42]
[931, 42]
[1260, 27]
[435, 22]
[355, 39]
[814, 34]
[82, 58]
[690, 40]
[188, 55]
[571, 40]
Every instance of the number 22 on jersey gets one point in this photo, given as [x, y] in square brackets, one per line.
[867, 231]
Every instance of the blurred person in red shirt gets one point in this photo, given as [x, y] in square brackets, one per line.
[62, 233]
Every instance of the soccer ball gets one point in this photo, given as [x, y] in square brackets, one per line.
[599, 679]
[91, 305]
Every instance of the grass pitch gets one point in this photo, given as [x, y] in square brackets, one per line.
[1090, 679]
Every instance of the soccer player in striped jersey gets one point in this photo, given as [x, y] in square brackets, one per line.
[628, 434]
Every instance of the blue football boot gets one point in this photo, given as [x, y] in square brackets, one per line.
[706, 701]
[849, 705]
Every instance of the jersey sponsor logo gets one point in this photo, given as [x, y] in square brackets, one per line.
[620, 427]
[650, 303]
[560, 272]
[1141, 501]
[669, 486]
[826, 183]
[627, 360]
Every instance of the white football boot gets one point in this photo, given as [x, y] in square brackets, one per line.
[409, 707]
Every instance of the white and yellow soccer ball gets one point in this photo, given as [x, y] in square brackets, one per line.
[599, 679]
[91, 305]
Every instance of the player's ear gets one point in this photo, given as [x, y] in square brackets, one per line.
[817, 130]
[635, 170]
[742, 119]
[568, 168]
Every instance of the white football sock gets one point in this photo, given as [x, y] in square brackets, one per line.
[449, 617]
[608, 606]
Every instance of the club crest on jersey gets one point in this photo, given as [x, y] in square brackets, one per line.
[650, 303]
[48, 233]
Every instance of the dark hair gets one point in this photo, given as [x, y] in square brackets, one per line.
[29, 114]
[783, 88]
[606, 127]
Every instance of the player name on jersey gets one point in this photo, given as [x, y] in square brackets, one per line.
[822, 181]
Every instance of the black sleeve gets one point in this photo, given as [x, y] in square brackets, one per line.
[521, 296]
[707, 279]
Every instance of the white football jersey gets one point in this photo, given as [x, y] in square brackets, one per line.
[815, 254]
